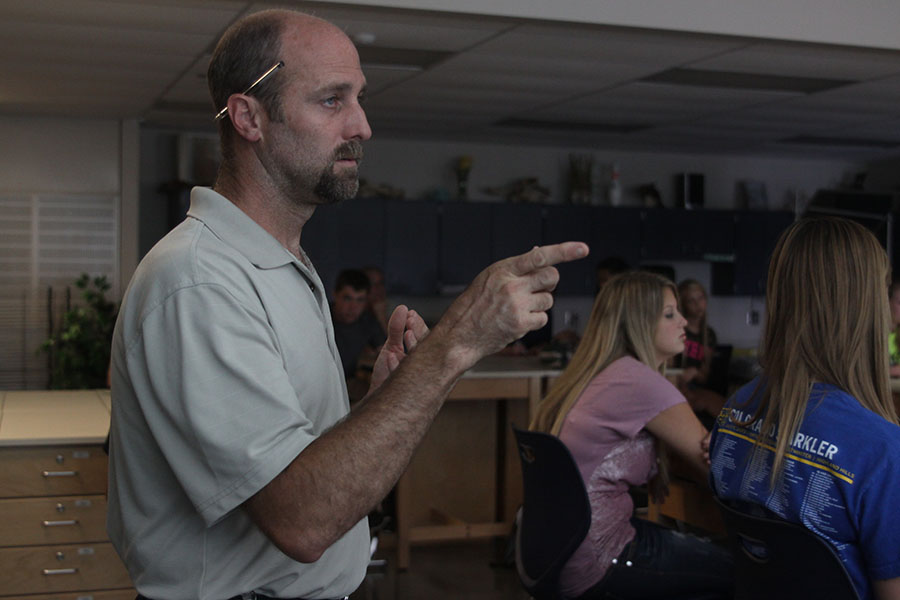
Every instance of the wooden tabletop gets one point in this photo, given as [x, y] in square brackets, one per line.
[47, 417]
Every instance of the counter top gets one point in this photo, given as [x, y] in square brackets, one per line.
[48, 417]
[498, 366]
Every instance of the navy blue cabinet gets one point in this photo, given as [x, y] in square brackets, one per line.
[515, 229]
[321, 243]
[608, 231]
[428, 248]
[349, 235]
[572, 223]
[465, 244]
[686, 234]
[616, 232]
[411, 248]
[756, 234]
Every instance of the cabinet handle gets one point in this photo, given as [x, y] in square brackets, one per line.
[60, 473]
[60, 523]
[70, 571]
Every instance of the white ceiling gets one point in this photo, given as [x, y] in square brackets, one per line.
[563, 84]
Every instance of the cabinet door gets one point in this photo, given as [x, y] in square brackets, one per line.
[572, 223]
[756, 234]
[686, 234]
[465, 244]
[349, 235]
[615, 232]
[319, 239]
[360, 230]
[411, 247]
[515, 229]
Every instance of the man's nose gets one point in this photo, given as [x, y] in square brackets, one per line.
[358, 124]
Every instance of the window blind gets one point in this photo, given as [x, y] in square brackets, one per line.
[46, 242]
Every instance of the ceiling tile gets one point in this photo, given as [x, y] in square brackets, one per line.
[805, 61]
[147, 59]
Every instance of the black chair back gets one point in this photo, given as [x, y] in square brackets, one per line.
[718, 369]
[775, 559]
[555, 514]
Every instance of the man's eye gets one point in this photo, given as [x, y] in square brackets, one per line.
[332, 101]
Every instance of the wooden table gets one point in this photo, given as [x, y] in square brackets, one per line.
[501, 385]
[48, 417]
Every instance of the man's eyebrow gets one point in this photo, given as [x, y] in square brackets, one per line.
[338, 88]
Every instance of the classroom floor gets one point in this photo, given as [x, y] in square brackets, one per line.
[463, 571]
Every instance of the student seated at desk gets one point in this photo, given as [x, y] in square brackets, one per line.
[612, 407]
[814, 439]
[699, 348]
[357, 333]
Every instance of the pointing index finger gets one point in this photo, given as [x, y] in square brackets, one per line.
[543, 256]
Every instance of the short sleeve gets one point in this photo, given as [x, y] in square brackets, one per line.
[633, 394]
[220, 404]
[879, 525]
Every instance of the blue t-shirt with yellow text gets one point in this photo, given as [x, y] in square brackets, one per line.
[841, 476]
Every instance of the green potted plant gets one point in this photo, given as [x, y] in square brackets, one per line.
[79, 350]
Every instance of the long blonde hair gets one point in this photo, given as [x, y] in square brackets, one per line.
[828, 321]
[683, 288]
[623, 322]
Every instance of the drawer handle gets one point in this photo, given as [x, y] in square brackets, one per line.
[60, 473]
[60, 523]
[70, 571]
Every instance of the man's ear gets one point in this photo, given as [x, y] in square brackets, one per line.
[246, 114]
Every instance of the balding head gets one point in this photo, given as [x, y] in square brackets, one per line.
[249, 48]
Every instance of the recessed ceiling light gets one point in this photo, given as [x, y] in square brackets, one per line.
[364, 37]
[400, 58]
[747, 81]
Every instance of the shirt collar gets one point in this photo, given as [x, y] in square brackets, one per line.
[234, 227]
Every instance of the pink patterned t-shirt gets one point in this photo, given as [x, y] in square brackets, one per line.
[605, 433]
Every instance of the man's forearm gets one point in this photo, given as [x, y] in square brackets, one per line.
[339, 477]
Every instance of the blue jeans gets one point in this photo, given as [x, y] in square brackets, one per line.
[666, 564]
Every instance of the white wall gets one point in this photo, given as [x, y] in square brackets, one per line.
[59, 155]
[47, 155]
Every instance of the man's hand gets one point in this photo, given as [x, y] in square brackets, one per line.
[405, 329]
[504, 302]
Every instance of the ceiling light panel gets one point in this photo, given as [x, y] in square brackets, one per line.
[745, 81]
[626, 46]
[805, 61]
